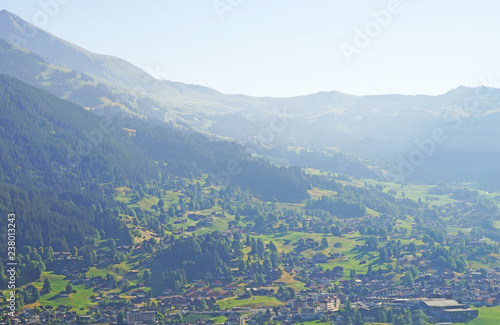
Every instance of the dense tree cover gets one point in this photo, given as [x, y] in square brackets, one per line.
[60, 220]
[215, 253]
[186, 153]
[338, 162]
[187, 257]
[394, 316]
[284, 184]
[60, 144]
[338, 207]
[60, 163]
[352, 201]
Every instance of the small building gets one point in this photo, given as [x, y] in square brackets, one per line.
[134, 273]
[284, 312]
[62, 255]
[308, 312]
[175, 300]
[144, 317]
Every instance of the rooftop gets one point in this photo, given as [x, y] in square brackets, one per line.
[441, 303]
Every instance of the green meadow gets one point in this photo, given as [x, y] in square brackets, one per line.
[252, 302]
[487, 316]
[79, 301]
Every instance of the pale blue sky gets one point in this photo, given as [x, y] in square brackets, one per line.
[289, 47]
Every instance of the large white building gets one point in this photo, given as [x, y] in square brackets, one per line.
[141, 317]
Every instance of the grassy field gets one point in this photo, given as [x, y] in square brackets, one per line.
[219, 319]
[456, 230]
[352, 257]
[414, 192]
[371, 212]
[117, 269]
[253, 302]
[313, 171]
[192, 318]
[285, 242]
[145, 204]
[487, 316]
[79, 301]
[289, 281]
[316, 193]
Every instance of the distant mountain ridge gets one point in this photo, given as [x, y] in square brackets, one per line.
[384, 126]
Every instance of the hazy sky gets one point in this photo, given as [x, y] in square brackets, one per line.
[288, 47]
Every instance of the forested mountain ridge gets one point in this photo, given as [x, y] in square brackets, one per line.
[86, 90]
[57, 151]
[384, 127]
[51, 136]
[58, 193]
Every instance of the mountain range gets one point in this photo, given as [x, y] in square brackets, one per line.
[386, 128]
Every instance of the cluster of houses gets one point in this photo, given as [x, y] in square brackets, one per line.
[196, 293]
[61, 313]
[438, 294]
[369, 293]
[135, 314]
[483, 288]
[311, 307]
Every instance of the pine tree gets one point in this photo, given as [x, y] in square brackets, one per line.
[381, 317]
[47, 286]
[35, 294]
[272, 247]
[120, 318]
[146, 275]
[69, 288]
[369, 271]
[268, 314]
[324, 243]
[160, 203]
[389, 316]
[177, 285]
[203, 304]
[357, 320]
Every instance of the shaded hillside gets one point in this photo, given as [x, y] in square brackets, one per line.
[59, 165]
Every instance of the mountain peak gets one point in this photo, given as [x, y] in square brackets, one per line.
[6, 16]
[62, 53]
[10, 22]
[461, 90]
